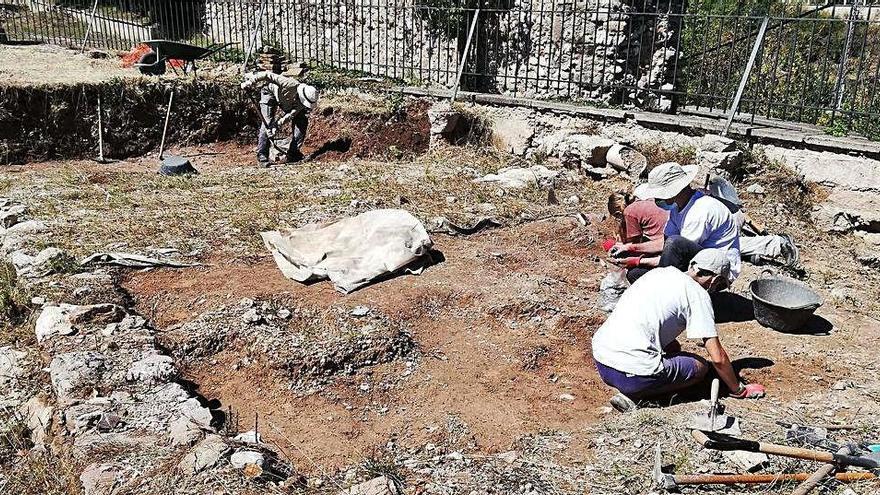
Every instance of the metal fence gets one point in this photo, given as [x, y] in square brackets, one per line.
[815, 63]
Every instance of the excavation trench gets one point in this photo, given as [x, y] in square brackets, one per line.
[60, 121]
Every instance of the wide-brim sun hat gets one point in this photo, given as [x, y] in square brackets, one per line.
[308, 95]
[667, 180]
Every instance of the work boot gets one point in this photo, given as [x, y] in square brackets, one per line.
[790, 252]
[623, 403]
[263, 161]
[295, 156]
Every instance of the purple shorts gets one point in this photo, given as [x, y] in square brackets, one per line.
[677, 368]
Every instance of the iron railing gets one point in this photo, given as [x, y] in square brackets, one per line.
[818, 63]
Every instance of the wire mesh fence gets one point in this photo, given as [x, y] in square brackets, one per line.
[817, 63]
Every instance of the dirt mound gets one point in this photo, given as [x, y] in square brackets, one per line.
[308, 345]
[337, 135]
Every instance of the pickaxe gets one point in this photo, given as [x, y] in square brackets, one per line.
[672, 481]
[717, 441]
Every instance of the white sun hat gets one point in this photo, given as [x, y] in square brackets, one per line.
[308, 95]
[666, 180]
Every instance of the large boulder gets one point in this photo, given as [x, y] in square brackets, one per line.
[155, 368]
[845, 211]
[831, 169]
[63, 319]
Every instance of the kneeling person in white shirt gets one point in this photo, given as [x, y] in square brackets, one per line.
[636, 350]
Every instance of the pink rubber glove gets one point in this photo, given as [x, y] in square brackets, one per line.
[632, 262]
[607, 244]
[750, 391]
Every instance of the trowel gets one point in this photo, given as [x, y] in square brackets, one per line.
[714, 419]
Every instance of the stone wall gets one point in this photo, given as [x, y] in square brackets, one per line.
[573, 49]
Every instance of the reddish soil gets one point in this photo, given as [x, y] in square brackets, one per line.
[502, 380]
[370, 135]
[474, 366]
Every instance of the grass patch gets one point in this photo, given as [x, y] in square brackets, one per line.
[656, 153]
[14, 298]
[26, 472]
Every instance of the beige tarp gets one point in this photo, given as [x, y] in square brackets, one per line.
[351, 252]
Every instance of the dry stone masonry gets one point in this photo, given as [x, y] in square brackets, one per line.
[585, 49]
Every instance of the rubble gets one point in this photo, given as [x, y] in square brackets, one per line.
[203, 455]
[99, 479]
[376, 486]
[518, 178]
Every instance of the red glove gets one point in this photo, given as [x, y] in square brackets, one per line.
[632, 262]
[750, 391]
[607, 244]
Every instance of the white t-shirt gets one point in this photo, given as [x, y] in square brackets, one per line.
[709, 223]
[651, 314]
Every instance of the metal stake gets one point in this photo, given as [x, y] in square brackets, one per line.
[841, 68]
[745, 77]
[467, 48]
[100, 133]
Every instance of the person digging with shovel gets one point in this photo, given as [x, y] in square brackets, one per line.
[295, 99]
[636, 350]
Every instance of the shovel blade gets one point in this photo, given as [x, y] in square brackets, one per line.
[723, 424]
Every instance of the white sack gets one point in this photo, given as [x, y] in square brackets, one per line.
[351, 252]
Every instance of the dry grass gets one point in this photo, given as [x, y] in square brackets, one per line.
[227, 209]
[656, 152]
[31, 472]
[14, 299]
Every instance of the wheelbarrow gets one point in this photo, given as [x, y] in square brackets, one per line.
[153, 62]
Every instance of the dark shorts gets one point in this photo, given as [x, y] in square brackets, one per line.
[677, 368]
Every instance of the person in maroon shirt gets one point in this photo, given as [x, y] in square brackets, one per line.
[641, 220]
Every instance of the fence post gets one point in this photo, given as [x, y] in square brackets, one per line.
[745, 77]
[841, 67]
[464, 56]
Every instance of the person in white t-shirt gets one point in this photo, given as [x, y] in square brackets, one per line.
[696, 222]
[636, 350]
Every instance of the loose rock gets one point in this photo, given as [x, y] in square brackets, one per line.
[204, 455]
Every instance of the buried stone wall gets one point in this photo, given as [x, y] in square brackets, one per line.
[584, 49]
[61, 121]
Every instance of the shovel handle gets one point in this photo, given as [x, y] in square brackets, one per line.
[733, 479]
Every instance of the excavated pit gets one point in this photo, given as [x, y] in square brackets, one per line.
[60, 121]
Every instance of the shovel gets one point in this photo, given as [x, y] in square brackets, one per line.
[172, 164]
[713, 420]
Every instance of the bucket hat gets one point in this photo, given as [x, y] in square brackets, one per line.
[666, 180]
